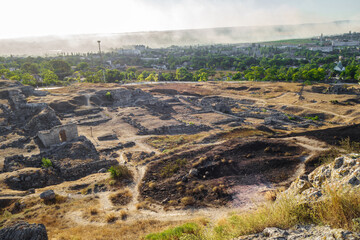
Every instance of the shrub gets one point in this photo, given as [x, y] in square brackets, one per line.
[121, 197]
[120, 172]
[316, 118]
[186, 201]
[123, 215]
[143, 205]
[349, 146]
[110, 218]
[93, 211]
[152, 185]
[290, 117]
[108, 95]
[46, 163]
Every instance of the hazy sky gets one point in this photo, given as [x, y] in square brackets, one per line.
[21, 18]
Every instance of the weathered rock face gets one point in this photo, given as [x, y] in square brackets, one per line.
[78, 149]
[302, 232]
[343, 172]
[45, 120]
[24, 231]
[122, 97]
[341, 89]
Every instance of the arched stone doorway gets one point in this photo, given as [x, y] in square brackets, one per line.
[62, 136]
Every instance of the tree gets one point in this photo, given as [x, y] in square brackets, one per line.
[82, 66]
[49, 77]
[61, 68]
[182, 74]
[114, 75]
[202, 75]
[153, 77]
[28, 79]
[350, 71]
[237, 76]
[31, 68]
[142, 76]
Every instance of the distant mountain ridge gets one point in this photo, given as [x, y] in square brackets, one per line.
[227, 35]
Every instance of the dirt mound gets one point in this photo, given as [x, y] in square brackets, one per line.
[68, 161]
[62, 106]
[205, 173]
[333, 136]
[243, 88]
[165, 91]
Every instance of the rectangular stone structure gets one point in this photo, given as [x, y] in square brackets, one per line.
[58, 134]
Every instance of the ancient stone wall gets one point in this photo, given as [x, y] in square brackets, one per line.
[58, 134]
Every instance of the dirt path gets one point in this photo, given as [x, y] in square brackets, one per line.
[140, 172]
[309, 144]
[313, 146]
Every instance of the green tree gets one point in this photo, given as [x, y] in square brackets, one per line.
[182, 74]
[61, 68]
[153, 77]
[31, 68]
[201, 75]
[143, 75]
[82, 66]
[49, 77]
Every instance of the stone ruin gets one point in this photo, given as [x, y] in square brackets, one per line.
[58, 134]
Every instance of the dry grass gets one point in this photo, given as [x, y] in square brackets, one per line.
[152, 185]
[242, 132]
[171, 142]
[337, 210]
[143, 205]
[340, 209]
[271, 195]
[61, 226]
[121, 198]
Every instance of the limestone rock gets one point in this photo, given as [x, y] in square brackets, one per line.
[47, 195]
[24, 231]
[193, 172]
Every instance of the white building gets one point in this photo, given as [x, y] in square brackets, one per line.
[322, 49]
[345, 44]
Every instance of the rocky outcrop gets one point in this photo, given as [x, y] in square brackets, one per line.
[343, 172]
[107, 137]
[302, 232]
[45, 120]
[24, 231]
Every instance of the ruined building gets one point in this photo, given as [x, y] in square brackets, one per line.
[58, 134]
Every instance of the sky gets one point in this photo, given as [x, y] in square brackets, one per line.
[25, 18]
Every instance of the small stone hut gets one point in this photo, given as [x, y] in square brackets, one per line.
[58, 134]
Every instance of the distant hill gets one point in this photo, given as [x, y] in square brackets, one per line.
[88, 43]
